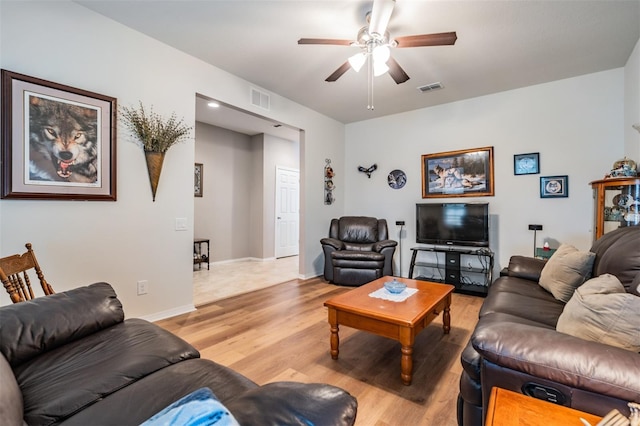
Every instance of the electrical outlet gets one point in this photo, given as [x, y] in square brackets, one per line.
[143, 287]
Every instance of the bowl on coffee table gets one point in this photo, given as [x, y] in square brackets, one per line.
[395, 286]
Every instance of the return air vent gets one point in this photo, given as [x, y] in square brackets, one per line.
[260, 99]
[430, 87]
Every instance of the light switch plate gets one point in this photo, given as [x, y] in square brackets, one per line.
[181, 223]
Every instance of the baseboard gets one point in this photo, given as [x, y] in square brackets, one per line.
[309, 276]
[169, 313]
[244, 259]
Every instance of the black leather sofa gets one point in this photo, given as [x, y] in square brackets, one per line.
[357, 251]
[515, 344]
[71, 358]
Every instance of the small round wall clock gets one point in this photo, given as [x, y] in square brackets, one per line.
[397, 179]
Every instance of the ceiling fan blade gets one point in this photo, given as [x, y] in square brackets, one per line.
[338, 73]
[325, 41]
[396, 72]
[439, 39]
[380, 15]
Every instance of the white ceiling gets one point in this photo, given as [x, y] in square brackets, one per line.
[241, 121]
[501, 45]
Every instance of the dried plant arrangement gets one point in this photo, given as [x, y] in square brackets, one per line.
[156, 135]
[154, 132]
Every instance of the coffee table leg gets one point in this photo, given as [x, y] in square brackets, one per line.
[446, 315]
[334, 339]
[406, 364]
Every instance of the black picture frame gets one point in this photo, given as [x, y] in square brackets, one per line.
[526, 164]
[197, 180]
[42, 160]
[554, 186]
[470, 170]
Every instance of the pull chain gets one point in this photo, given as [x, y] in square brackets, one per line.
[370, 82]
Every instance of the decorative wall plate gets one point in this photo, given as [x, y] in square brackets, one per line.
[397, 179]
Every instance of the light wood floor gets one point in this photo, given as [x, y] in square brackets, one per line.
[281, 333]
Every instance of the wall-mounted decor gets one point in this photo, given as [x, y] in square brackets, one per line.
[197, 180]
[156, 135]
[554, 186]
[58, 142]
[328, 182]
[465, 173]
[397, 179]
[368, 170]
[526, 164]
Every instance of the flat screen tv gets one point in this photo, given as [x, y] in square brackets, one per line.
[453, 224]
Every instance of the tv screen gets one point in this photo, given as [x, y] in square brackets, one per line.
[465, 224]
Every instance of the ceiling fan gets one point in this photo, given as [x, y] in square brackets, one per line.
[375, 44]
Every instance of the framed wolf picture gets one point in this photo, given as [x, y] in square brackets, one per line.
[58, 142]
[464, 173]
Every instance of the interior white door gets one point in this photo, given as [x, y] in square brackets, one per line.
[287, 212]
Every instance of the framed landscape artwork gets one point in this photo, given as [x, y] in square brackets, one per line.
[58, 142]
[554, 186]
[465, 173]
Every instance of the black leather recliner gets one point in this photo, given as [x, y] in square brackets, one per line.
[357, 251]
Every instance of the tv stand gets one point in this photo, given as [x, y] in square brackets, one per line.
[470, 270]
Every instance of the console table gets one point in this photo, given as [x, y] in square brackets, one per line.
[469, 270]
[198, 256]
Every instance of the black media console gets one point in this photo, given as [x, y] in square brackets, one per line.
[470, 270]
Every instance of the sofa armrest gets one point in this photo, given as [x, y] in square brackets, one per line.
[525, 267]
[332, 242]
[291, 403]
[561, 358]
[381, 245]
[45, 323]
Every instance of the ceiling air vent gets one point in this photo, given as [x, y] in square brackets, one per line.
[430, 87]
[259, 99]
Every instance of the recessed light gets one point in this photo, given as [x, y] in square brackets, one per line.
[213, 105]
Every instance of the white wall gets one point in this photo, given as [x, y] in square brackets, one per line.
[576, 125]
[222, 214]
[277, 152]
[134, 238]
[632, 105]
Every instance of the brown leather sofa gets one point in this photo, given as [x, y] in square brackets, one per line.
[515, 344]
[71, 358]
[357, 251]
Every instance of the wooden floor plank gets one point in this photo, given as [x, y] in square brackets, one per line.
[282, 333]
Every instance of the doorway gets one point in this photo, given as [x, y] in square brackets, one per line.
[238, 209]
[287, 212]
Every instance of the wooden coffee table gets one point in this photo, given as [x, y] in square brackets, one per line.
[401, 321]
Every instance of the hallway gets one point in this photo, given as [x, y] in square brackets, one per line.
[224, 280]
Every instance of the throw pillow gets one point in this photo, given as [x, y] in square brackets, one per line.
[565, 270]
[11, 408]
[199, 408]
[602, 311]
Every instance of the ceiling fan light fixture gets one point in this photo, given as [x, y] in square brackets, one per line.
[379, 68]
[381, 54]
[357, 61]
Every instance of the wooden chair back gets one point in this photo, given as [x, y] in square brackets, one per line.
[15, 279]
